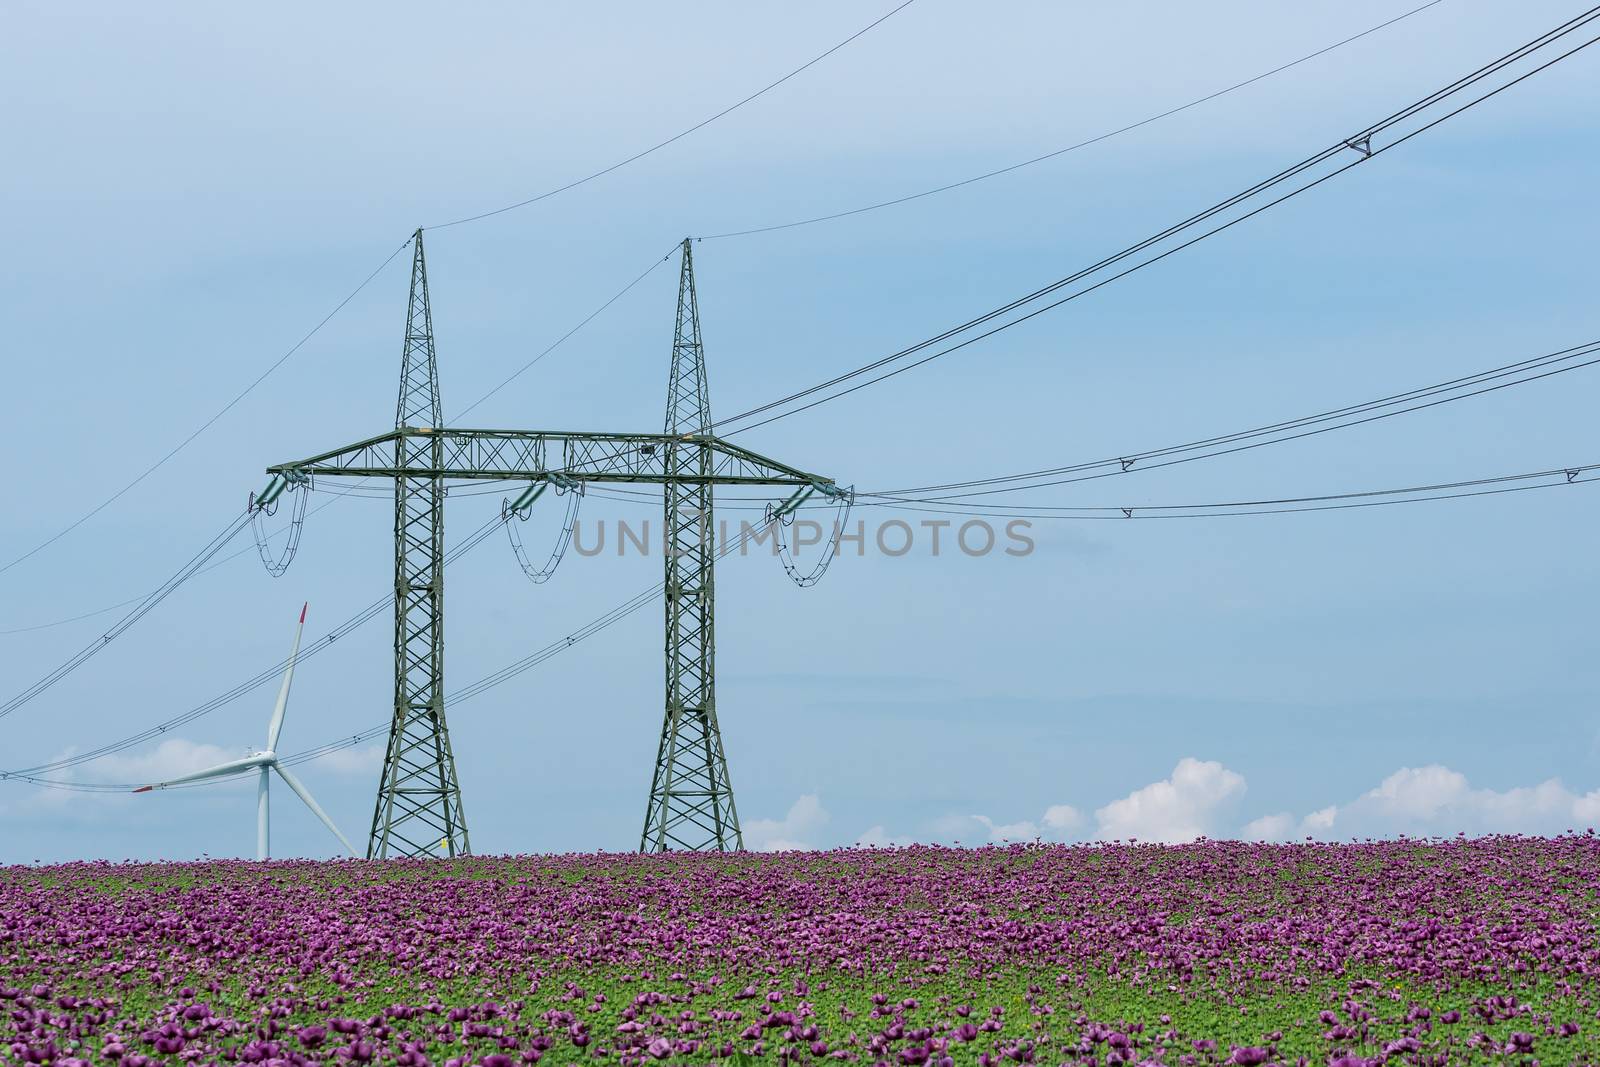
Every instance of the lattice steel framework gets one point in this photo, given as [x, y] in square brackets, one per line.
[691, 798]
[418, 810]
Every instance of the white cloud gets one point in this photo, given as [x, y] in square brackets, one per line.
[795, 831]
[352, 760]
[1320, 820]
[1060, 819]
[879, 837]
[1180, 808]
[1199, 797]
[1056, 824]
[1270, 828]
[178, 756]
[1418, 793]
[1437, 801]
[959, 829]
[173, 757]
[1026, 830]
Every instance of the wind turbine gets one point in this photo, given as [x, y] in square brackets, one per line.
[266, 761]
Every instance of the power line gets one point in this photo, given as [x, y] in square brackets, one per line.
[230, 557]
[677, 136]
[357, 490]
[1072, 147]
[589, 629]
[303, 756]
[1479, 384]
[1359, 147]
[36, 774]
[956, 506]
[229, 406]
[1546, 479]
[558, 342]
[143, 608]
[215, 703]
[273, 672]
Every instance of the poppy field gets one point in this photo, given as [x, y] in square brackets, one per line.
[1398, 952]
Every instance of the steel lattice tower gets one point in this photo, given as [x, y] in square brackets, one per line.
[418, 811]
[691, 799]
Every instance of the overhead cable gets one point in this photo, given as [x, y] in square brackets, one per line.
[266, 676]
[144, 607]
[1097, 139]
[677, 136]
[1492, 380]
[1543, 479]
[203, 427]
[1414, 120]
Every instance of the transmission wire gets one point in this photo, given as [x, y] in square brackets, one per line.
[373, 610]
[558, 342]
[1269, 506]
[677, 136]
[143, 608]
[1359, 145]
[338, 494]
[1277, 433]
[229, 406]
[1072, 147]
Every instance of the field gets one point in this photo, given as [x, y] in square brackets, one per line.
[1405, 952]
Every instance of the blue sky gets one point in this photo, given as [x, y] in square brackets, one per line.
[192, 189]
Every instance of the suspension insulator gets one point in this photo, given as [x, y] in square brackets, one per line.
[277, 565]
[513, 512]
[783, 517]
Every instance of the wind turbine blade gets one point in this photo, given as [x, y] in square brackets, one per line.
[276, 726]
[221, 770]
[316, 809]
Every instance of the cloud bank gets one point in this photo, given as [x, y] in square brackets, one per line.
[1202, 798]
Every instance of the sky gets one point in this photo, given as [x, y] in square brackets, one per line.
[191, 189]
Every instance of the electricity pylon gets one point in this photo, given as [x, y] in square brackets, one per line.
[691, 799]
[418, 810]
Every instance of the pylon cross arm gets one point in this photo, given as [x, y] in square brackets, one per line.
[539, 455]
